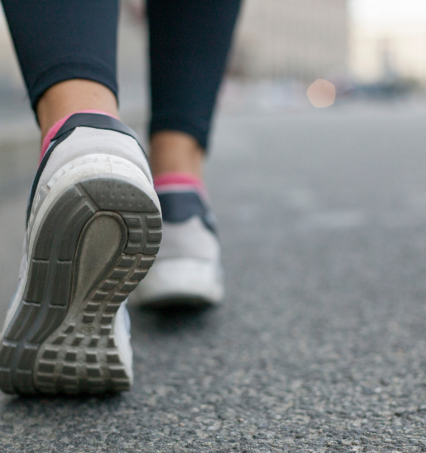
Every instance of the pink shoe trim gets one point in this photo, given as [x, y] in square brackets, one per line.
[55, 128]
[179, 182]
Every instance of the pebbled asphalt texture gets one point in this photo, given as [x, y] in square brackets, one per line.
[320, 345]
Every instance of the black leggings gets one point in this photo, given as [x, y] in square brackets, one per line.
[58, 40]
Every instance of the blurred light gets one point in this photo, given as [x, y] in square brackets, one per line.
[322, 93]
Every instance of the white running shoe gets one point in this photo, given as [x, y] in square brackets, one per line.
[188, 268]
[94, 228]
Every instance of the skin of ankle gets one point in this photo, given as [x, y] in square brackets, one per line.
[176, 152]
[73, 96]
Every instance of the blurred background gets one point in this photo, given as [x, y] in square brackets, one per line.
[368, 50]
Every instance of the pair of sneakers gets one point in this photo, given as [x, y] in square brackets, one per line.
[94, 227]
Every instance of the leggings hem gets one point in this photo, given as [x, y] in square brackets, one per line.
[72, 70]
[180, 124]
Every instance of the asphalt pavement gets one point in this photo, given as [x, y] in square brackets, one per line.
[320, 345]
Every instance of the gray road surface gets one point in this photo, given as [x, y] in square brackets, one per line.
[321, 343]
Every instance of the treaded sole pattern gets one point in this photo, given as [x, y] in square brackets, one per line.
[94, 245]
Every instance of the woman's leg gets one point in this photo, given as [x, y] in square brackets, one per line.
[189, 44]
[65, 98]
[190, 40]
[93, 220]
[67, 53]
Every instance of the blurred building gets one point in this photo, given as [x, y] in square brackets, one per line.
[388, 51]
[301, 39]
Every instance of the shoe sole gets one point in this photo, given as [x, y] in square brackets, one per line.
[94, 244]
[185, 282]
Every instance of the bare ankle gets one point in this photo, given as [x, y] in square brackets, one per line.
[173, 151]
[73, 96]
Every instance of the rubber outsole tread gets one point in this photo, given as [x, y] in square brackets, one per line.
[60, 339]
